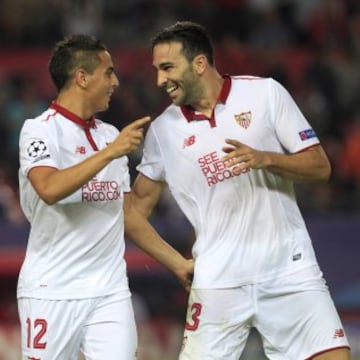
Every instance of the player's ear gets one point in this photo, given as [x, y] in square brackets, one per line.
[200, 63]
[81, 78]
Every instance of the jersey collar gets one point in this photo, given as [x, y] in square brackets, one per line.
[72, 117]
[192, 115]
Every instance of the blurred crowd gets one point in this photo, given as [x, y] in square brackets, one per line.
[312, 47]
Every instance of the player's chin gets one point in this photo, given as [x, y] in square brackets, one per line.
[177, 101]
[104, 106]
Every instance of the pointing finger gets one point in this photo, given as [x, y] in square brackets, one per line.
[139, 123]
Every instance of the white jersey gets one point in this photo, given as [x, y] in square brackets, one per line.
[248, 225]
[76, 246]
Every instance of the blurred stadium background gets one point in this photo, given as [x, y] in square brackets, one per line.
[311, 46]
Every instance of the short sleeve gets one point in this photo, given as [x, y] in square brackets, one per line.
[292, 128]
[126, 178]
[151, 164]
[36, 146]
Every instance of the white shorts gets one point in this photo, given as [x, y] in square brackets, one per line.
[101, 328]
[296, 320]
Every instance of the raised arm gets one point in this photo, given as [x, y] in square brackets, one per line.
[52, 185]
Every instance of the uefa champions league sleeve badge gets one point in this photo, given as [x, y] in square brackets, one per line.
[37, 150]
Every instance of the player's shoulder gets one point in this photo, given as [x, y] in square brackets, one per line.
[168, 115]
[43, 120]
[104, 124]
[256, 83]
[107, 127]
[250, 79]
[247, 77]
[255, 80]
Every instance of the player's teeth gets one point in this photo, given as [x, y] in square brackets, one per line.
[169, 90]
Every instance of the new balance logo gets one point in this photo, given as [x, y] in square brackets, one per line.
[339, 333]
[80, 150]
[189, 141]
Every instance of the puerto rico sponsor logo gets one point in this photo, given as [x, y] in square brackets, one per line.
[243, 119]
[215, 170]
[96, 190]
[307, 134]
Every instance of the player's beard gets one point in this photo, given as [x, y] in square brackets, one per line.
[190, 89]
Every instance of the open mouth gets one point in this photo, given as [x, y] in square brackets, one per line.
[171, 89]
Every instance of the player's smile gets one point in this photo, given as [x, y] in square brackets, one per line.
[172, 90]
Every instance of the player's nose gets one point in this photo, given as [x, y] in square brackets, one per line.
[161, 79]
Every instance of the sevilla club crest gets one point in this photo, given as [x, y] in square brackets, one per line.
[243, 119]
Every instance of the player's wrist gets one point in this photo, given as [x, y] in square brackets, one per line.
[109, 153]
[179, 264]
[268, 159]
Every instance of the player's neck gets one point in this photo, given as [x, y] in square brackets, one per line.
[74, 105]
[212, 86]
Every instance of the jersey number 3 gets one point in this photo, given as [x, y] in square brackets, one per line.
[195, 311]
[35, 332]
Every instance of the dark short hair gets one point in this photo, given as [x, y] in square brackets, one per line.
[191, 35]
[71, 53]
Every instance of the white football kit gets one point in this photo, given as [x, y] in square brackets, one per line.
[249, 230]
[76, 246]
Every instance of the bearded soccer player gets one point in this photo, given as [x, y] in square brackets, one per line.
[230, 148]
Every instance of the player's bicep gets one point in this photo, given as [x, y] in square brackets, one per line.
[146, 193]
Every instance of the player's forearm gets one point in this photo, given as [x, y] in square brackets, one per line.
[310, 165]
[62, 183]
[141, 232]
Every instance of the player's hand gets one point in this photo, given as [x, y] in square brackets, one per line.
[129, 138]
[242, 155]
[185, 274]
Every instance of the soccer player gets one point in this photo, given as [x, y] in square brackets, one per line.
[73, 291]
[230, 148]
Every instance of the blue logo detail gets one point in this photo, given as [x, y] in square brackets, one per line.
[307, 134]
